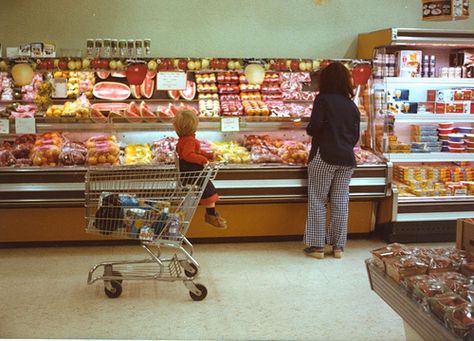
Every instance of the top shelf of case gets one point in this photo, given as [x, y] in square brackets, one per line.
[429, 82]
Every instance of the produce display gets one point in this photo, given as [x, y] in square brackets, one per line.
[138, 154]
[163, 150]
[434, 278]
[102, 150]
[72, 154]
[46, 150]
[231, 152]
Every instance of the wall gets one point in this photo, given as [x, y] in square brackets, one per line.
[240, 28]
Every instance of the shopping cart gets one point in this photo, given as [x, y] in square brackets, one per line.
[154, 206]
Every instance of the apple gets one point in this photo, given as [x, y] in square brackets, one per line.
[113, 64]
[294, 65]
[71, 65]
[119, 64]
[56, 63]
[309, 65]
[205, 64]
[182, 64]
[197, 65]
[152, 65]
[238, 65]
[86, 63]
[175, 63]
[104, 64]
[191, 65]
[231, 65]
[316, 65]
[63, 64]
[78, 64]
[3, 65]
[266, 66]
[302, 66]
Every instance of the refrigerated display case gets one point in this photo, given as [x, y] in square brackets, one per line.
[414, 124]
[257, 199]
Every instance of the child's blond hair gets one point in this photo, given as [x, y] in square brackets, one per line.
[185, 122]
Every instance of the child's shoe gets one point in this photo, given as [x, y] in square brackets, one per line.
[315, 252]
[216, 220]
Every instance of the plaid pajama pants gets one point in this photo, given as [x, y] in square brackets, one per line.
[327, 183]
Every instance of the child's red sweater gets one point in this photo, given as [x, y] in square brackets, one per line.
[189, 149]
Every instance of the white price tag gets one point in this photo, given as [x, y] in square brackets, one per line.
[231, 123]
[25, 126]
[59, 88]
[4, 126]
[171, 81]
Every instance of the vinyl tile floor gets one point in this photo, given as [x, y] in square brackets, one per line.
[256, 291]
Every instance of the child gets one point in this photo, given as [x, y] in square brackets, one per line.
[191, 158]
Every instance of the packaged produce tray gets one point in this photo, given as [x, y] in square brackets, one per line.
[424, 323]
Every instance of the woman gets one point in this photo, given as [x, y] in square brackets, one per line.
[334, 127]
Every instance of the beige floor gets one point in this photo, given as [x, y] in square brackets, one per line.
[257, 291]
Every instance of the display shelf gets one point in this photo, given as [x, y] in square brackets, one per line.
[252, 183]
[429, 157]
[424, 323]
[430, 83]
[431, 117]
[443, 199]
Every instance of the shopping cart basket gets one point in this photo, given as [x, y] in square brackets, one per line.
[154, 206]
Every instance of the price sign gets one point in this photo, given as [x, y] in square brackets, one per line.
[25, 126]
[230, 123]
[59, 88]
[4, 126]
[171, 81]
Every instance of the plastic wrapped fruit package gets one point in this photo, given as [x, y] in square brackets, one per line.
[163, 150]
[102, 150]
[409, 283]
[23, 146]
[404, 266]
[45, 155]
[389, 251]
[231, 152]
[265, 154]
[138, 154]
[461, 321]
[6, 158]
[441, 304]
[294, 152]
[72, 153]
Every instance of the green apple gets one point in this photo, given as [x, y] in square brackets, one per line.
[152, 65]
[86, 63]
[113, 65]
[316, 64]
[205, 64]
[119, 65]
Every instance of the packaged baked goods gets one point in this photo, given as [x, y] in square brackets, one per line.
[408, 283]
[439, 305]
[404, 266]
[460, 321]
[389, 251]
[72, 154]
[423, 290]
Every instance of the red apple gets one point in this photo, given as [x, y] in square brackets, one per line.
[62, 65]
[294, 65]
[182, 64]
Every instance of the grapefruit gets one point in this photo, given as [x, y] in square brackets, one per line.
[190, 91]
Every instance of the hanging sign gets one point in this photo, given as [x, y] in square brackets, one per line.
[171, 81]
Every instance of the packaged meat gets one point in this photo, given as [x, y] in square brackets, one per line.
[138, 154]
[439, 305]
[460, 321]
[72, 153]
[164, 150]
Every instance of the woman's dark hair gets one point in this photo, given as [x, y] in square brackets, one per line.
[336, 79]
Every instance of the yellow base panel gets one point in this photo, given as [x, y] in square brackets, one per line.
[250, 220]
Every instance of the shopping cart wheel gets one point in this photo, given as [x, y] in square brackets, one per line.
[202, 295]
[116, 289]
[117, 274]
[190, 269]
